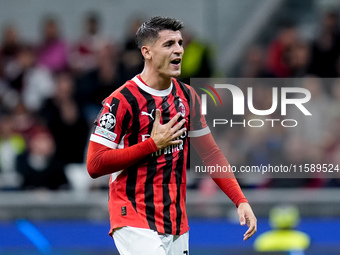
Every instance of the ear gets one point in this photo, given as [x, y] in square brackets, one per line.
[146, 52]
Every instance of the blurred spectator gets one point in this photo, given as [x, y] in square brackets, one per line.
[283, 237]
[10, 42]
[52, 52]
[83, 57]
[262, 147]
[295, 152]
[65, 120]
[33, 83]
[9, 48]
[96, 85]
[299, 59]
[11, 145]
[8, 97]
[196, 62]
[312, 128]
[24, 121]
[332, 139]
[132, 60]
[278, 52]
[255, 65]
[325, 48]
[38, 166]
[334, 159]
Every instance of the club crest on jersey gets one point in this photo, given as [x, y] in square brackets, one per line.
[182, 109]
[107, 121]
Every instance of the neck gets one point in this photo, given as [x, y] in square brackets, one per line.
[155, 81]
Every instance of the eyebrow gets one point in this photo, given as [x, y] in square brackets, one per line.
[169, 42]
[172, 41]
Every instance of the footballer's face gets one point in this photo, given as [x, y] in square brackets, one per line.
[165, 53]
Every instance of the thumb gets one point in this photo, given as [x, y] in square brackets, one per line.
[157, 116]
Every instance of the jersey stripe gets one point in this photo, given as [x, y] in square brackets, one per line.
[125, 124]
[195, 116]
[179, 171]
[185, 90]
[132, 139]
[151, 168]
[166, 175]
[114, 106]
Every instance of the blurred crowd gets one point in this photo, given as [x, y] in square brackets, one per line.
[312, 63]
[51, 92]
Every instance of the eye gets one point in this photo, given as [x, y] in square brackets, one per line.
[168, 43]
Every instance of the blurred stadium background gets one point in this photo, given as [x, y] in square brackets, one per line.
[59, 59]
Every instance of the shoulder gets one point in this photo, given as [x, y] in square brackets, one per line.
[185, 87]
[122, 96]
[127, 89]
[188, 90]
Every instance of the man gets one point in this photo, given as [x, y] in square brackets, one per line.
[141, 138]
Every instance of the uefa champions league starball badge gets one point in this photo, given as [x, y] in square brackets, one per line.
[107, 121]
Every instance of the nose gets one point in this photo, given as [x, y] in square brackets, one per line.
[179, 49]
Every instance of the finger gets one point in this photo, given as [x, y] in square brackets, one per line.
[178, 133]
[157, 116]
[173, 120]
[176, 142]
[250, 232]
[178, 125]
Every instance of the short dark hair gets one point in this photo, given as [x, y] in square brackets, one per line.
[149, 29]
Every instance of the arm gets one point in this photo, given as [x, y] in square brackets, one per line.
[211, 155]
[102, 160]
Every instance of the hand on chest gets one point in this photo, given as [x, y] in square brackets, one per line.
[169, 107]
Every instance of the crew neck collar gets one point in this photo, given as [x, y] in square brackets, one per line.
[155, 92]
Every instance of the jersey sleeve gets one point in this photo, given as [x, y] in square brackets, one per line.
[197, 123]
[211, 155]
[111, 123]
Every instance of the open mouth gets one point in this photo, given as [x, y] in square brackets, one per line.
[176, 61]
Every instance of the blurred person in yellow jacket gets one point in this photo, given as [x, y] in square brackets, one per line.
[283, 237]
[196, 61]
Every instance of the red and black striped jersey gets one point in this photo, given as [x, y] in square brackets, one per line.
[151, 193]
